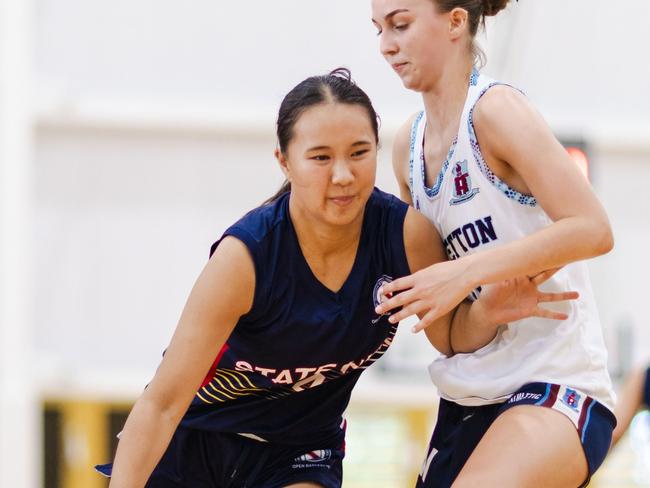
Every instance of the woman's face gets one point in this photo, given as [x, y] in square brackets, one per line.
[414, 39]
[331, 161]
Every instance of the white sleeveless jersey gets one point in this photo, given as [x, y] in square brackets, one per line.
[474, 210]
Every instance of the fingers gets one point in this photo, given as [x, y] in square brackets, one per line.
[428, 319]
[398, 285]
[557, 297]
[394, 301]
[540, 278]
[411, 309]
[549, 314]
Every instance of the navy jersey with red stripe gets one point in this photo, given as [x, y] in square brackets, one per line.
[287, 370]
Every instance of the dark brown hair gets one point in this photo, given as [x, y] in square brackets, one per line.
[336, 86]
[477, 10]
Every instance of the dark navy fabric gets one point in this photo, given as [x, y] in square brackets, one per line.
[201, 459]
[288, 369]
[459, 429]
[646, 389]
[205, 459]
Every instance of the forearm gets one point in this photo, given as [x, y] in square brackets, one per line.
[143, 441]
[438, 334]
[464, 330]
[565, 241]
[471, 328]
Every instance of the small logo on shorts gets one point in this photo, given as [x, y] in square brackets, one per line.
[317, 456]
[462, 184]
[571, 399]
[376, 296]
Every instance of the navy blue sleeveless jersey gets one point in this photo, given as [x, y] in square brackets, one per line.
[287, 370]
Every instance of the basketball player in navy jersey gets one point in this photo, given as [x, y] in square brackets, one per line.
[286, 306]
[507, 200]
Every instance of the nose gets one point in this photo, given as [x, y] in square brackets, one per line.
[387, 44]
[342, 174]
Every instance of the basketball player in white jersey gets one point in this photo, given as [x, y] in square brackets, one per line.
[507, 200]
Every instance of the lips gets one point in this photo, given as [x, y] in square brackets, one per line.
[398, 66]
[342, 201]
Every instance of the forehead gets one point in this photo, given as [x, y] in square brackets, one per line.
[384, 8]
[333, 121]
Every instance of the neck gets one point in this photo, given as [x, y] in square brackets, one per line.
[445, 98]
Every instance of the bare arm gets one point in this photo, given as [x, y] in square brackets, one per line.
[471, 325]
[629, 402]
[513, 136]
[211, 312]
[401, 160]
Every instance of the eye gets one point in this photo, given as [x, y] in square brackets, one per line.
[400, 27]
[360, 153]
[378, 32]
[320, 157]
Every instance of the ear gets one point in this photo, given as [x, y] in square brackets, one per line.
[458, 18]
[282, 161]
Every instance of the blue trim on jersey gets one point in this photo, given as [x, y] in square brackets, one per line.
[545, 397]
[414, 133]
[435, 189]
[501, 185]
[584, 427]
[473, 78]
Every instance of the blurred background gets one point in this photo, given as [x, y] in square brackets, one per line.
[133, 132]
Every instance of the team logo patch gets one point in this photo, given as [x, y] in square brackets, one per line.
[376, 296]
[317, 456]
[571, 399]
[462, 184]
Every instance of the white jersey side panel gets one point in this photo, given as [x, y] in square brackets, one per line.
[473, 210]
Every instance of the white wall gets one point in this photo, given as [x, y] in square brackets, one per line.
[156, 130]
[151, 128]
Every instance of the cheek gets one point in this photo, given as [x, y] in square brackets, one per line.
[310, 182]
[367, 173]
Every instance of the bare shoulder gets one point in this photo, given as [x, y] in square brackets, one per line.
[401, 146]
[504, 119]
[500, 104]
[233, 263]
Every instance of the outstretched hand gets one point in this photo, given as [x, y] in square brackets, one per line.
[520, 298]
[429, 293]
[432, 292]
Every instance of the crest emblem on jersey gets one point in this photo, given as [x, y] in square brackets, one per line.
[316, 456]
[571, 399]
[462, 184]
[376, 296]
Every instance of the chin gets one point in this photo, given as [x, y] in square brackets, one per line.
[412, 84]
[346, 217]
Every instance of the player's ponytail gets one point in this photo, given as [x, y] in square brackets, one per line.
[476, 10]
[493, 7]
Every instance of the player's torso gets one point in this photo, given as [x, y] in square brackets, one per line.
[469, 205]
[302, 346]
[474, 210]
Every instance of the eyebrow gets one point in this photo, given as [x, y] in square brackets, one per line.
[392, 14]
[355, 144]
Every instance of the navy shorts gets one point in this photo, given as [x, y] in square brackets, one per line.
[202, 459]
[459, 429]
[646, 389]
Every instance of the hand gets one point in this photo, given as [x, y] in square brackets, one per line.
[519, 298]
[430, 293]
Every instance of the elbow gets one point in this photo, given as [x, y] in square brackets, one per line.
[604, 241]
